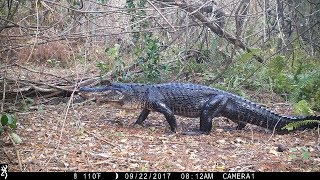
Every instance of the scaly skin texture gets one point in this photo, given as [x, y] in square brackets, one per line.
[190, 100]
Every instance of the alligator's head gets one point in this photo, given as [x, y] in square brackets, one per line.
[114, 93]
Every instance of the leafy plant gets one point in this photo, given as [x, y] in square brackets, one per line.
[137, 16]
[8, 120]
[53, 63]
[147, 46]
[303, 108]
[149, 59]
[27, 103]
[151, 66]
[103, 67]
[302, 152]
[117, 65]
[298, 81]
[307, 87]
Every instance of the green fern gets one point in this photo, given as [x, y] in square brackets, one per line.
[295, 125]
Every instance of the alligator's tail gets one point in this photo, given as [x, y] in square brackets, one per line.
[285, 124]
[260, 116]
[300, 122]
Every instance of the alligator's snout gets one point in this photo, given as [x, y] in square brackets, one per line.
[109, 95]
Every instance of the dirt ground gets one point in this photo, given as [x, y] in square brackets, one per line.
[91, 137]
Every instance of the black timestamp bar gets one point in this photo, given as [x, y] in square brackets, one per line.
[7, 175]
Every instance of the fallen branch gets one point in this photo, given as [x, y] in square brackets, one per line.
[39, 72]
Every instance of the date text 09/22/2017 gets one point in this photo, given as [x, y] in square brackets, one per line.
[186, 175]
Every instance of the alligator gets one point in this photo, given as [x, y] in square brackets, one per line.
[190, 100]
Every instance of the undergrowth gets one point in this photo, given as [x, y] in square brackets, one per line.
[295, 77]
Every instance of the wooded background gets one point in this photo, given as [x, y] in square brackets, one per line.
[263, 45]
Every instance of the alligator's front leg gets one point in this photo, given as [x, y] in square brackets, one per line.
[154, 103]
[167, 112]
[143, 115]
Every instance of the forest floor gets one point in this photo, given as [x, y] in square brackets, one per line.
[90, 137]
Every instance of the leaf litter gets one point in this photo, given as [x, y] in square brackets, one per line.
[101, 138]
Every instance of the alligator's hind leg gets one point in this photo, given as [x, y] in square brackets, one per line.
[143, 115]
[211, 109]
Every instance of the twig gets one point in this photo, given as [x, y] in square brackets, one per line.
[92, 134]
[4, 84]
[31, 70]
[63, 125]
[118, 158]
[161, 14]
[4, 90]
[31, 83]
[216, 29]
[43, 89]
[253, 163]
[94, 81]
[105, 162]
[63, 169]
[6, 153]
[16, 149]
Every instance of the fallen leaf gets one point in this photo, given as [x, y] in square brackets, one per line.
[239, 140]
[221, 141]
[220, 168]
[274, 152]
[123, 140]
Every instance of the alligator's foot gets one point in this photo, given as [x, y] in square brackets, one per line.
[169, 133]
[135, 124]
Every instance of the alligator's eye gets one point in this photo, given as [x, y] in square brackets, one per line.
[113, 95]
[107, 92]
